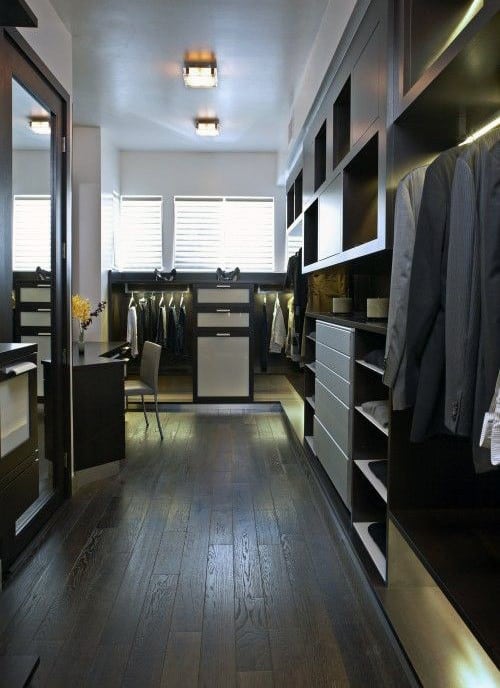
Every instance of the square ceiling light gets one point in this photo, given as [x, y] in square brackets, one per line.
[40, 126]
[200, 74]
[207, 127]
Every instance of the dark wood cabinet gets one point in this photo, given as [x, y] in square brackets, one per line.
[366, 92]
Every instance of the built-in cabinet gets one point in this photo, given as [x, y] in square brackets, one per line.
[422, 522]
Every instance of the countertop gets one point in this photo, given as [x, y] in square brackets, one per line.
[14, 348]
[96, 353]
[358, 321]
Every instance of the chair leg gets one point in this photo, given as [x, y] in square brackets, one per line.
[144, 409]
[158, 417]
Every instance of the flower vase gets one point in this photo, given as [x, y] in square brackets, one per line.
[81, 342]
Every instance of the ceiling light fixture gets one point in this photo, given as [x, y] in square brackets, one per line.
[40, 126]
[200, 74]
[207, 127]
[481, 132]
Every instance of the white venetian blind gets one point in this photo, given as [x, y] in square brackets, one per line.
[140, 234]
[31, 233]
[224, 232]
[293, 244]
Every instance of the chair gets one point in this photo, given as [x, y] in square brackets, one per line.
[148, 379]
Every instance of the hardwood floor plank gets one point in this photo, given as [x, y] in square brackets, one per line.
[267, 527]
[181, 665]
[247, 574]
[279, 600]
[221, 527]
[252, 639]
[169, 557]
[189, 602]
[255, 679]
[217, 662]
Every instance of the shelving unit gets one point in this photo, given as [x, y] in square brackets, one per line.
[372, 420]
[342, 124]
[360, 211]
[311, 401]
[370, 366]
[376, 555]
[320, 157]
[364, 467]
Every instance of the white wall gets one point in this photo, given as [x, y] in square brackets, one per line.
[332, 27]
[31, 172]
[52, 42]
[110, 184]
[86, 279]
[197, 174]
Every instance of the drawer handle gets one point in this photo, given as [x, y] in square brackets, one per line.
[223, 286]
[223, 310]
[44, 334]
[43, 310]
[223, 334]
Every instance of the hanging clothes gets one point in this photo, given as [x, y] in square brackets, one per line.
[407, 208]
[278, 329]
[172, 329]
[180, 332]
[141, 325]
[296, 281]
[264, 333]
[132, 331]
[292, 343]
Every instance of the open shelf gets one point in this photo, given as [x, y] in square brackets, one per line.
[342, 124]
[311, 367]
[312, 336]
[298, 194]
[370, 366]
[311, 234]
[360, 211]
[363, 465]
[312, 402]
[320, 157]
[371, 547]
[372, 420]
[430, 27]
[461, 550]
[290, 206]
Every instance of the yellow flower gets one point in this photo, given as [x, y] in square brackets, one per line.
[80, 308]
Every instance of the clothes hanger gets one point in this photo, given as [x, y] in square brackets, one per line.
[171, 301]
[132, 301]
[161, 300]
[182, 300]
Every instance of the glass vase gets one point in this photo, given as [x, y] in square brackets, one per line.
[81, 342]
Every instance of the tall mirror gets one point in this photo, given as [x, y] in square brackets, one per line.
[32, 284]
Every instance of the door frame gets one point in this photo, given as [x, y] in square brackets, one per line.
[18, 60]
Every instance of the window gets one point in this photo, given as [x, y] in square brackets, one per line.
[225, 232]
[139, 240]
[31, 233]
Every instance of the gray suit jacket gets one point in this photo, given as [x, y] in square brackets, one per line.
[463, 291]
[407, 207]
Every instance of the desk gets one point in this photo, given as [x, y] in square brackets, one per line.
[98, 408]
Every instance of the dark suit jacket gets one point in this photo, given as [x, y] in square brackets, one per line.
[425, 332]
[468, 232]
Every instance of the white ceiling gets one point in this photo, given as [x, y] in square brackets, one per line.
[127, 68]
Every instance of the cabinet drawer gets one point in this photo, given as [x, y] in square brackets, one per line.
[19, 494]
[333, 460]
[334, 336]
[35, 294]
[223, 320]
[223, 294]
[223, 367]
[35, 318]
[334, 383]
[339, 363]
[334, 415]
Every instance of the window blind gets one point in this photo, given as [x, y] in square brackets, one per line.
[31, 233]
[139, 245]
[224, 232]
[293, 244]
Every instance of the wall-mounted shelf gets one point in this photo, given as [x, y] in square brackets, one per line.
[370, 366]
[372, 420]
[371, 547]
[364, 467]
[320, 157]
[342, 124]
[360, 213]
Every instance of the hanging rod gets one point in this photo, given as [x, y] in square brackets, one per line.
[180, 289]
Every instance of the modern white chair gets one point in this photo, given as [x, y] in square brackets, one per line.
[148, 379]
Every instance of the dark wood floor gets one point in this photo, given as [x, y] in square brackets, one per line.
[205, 563]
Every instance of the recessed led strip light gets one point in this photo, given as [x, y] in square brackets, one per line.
[207, 127]
[40, 126]
[481, 132]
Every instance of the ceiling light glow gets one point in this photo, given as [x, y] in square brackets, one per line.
[481, 132]
[207, 127]
[40, 126]
[200, 75]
